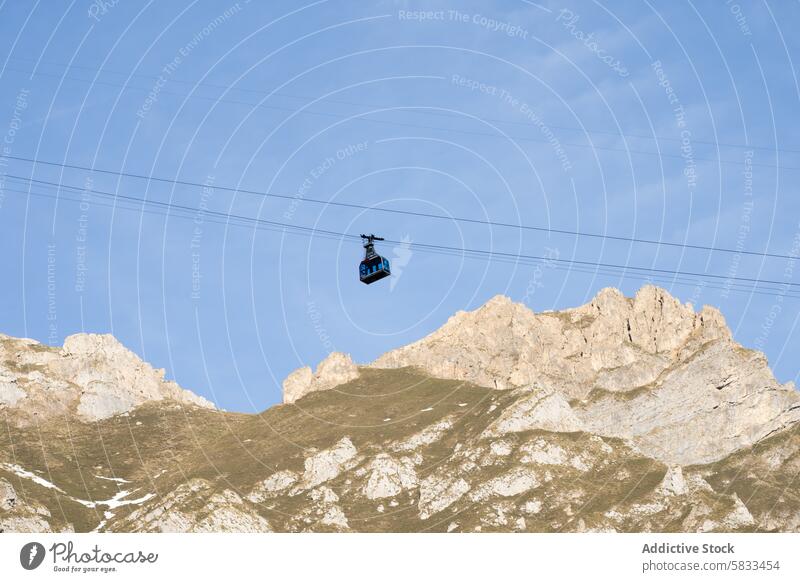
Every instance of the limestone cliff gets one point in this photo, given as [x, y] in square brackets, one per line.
[626, 414]
[92, 377]
[648, 369]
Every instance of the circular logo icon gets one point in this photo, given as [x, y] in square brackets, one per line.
[31, 555]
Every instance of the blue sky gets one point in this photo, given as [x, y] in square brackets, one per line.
[674, 121]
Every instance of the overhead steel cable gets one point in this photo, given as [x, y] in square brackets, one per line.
[188, 213]
[351, 205]
[478, 253]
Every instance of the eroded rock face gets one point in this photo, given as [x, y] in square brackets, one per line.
[21, 516]
[113, 379]
[676, 428]
[324, 511]
[648, 369]
[717, 400]
[512, 484]
[541, 409]
[327, 464]
[273, 485]
[615, 343]
[439, 491]
[93, 376]
[195, 506]
[10, 392]
[8, 497]
[336, 369]
[673, 482]
[388, 477]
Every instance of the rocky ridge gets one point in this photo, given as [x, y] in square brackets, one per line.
[336, 369]
[625, 414]
[92, 377]
[648, 369]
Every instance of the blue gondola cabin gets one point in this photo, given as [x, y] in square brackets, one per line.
[374, 267]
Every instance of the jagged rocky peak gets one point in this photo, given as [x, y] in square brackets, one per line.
[648, 369]
[92, 375]
[624, 414]
[655, 320]
[336, 369]
[615, 342]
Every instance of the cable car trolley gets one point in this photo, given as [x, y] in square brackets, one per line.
[374, 267]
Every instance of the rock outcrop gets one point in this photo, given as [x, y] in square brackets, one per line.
[327, 464]
[648, 369]
[388, 477]
[333, 371]
[613, 342]
[92, 376]
[21, 515]
[212, 511]
[540, 409]
[624, 415]
[713, 401]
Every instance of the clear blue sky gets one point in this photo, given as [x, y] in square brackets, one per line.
[599, 117]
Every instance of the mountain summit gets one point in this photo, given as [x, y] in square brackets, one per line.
[624, 414]
[91, 377]
[648, 369]
[613, 343]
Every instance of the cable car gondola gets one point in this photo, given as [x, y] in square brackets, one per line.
[374, 267]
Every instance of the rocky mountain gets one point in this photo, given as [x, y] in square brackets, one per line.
[646, 369]
[91, 377]
[625, 414]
